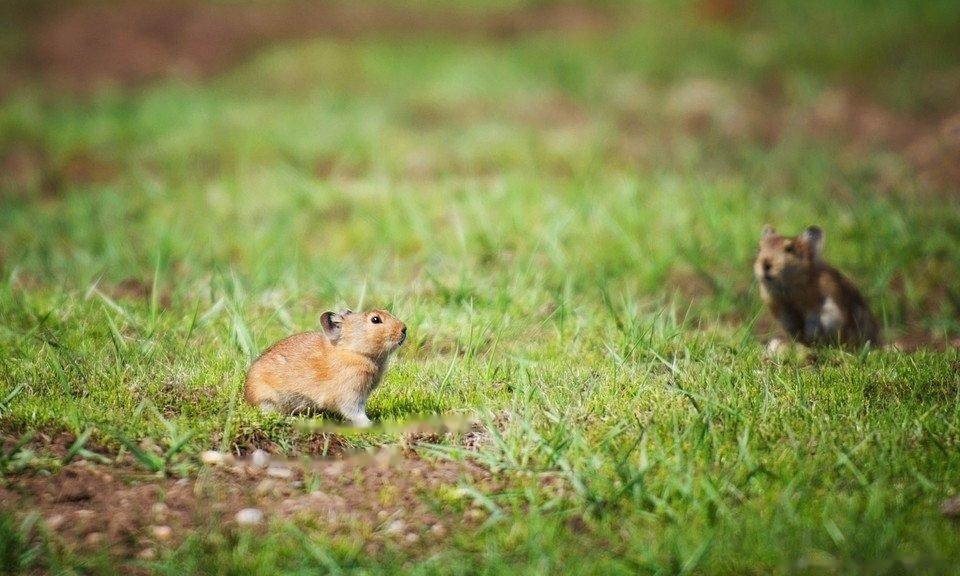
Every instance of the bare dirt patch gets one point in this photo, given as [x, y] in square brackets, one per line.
[27, 169]
[92, 44]
[390, 498]
[902, 153]
[930, 146]
[136, 289]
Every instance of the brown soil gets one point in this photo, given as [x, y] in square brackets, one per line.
[27, 169]
[137, 289]
[924, 149]
[93, 44]
[930, 146]
[390, 497]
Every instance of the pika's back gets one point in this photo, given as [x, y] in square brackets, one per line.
[285, 364]
[298, 347]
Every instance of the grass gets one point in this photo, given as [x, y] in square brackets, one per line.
[568, 252]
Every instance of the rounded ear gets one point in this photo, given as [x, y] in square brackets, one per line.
[332, 324]
[767, 232]
[813, 237]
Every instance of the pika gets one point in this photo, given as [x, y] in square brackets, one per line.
[335, 369]
[812, 300]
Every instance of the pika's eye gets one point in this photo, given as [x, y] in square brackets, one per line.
[376, 320]
[789, 249]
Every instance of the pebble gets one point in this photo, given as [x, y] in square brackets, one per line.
[55, 521]
[147, 554]
[162, 532]
[213, 457]
[159, 509]
[396, 527]
[439, 530]
[266, 486]
[951, 508]
[260, 458]
[249, 516]
[411, 537]
[279, 472]
[93, 539]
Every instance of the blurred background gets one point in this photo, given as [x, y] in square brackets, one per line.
[501, 152]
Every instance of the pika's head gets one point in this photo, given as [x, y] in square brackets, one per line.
[785, 263]
[375, 334]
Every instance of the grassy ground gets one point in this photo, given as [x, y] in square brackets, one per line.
[567, 226]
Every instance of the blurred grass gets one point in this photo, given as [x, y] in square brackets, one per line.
[567, 225]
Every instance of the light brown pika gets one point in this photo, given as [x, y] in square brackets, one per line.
[334, 370]
[812, 300]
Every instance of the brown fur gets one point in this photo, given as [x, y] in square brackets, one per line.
[335, 369]
[812, 301]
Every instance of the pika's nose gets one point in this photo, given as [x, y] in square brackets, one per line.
[403, 334]
[766, 266]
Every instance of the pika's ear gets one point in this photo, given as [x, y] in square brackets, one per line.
[813, 237]
[767, 232]
[345, 311]
[332, 325]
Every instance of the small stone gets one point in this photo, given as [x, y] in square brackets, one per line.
[290, 505]
[183, 482]
[335, 469]
[162, 532]
[411, 538]
[474, 514]
[382, 515]
[265, 486]
[951, 508]
[395, 527]
[438, 530]
[260, 458]
[93, 539]
[147, 554]
[85, 514]
[279, 472]
[148, 445]
[159, 510]
[213, 457]
[55, 521]
[249, 516]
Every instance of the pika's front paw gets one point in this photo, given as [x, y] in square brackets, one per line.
[777, 347]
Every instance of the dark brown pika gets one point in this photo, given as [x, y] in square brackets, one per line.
[812, 301]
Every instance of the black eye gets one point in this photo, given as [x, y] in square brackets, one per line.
[376, 320]
[789, 249]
